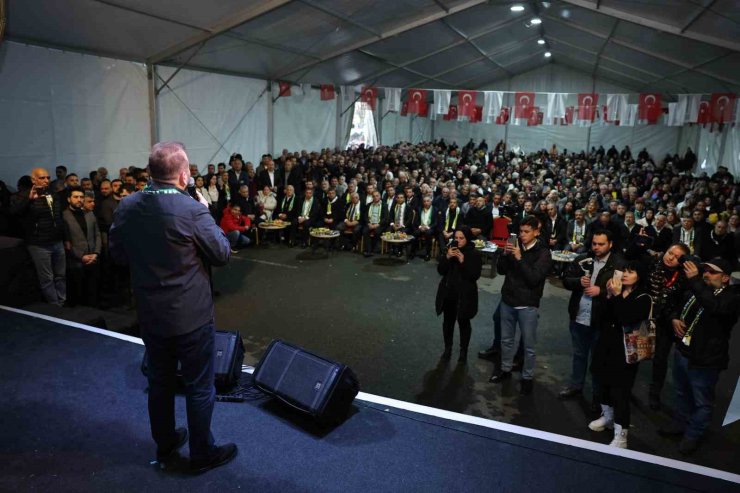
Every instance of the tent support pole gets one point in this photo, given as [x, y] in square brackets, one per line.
[152, 91]
[270, 120]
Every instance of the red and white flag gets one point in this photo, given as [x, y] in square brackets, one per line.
[503, 116]
[370, 96]
[284, 89]
[704, 113]
[568, 120]
[587, 105]
[451, 113]
[535, 117]
[465, 105]
[523, 104]
[327, 92]
[417, 101]
[721, 107]
[649, 108]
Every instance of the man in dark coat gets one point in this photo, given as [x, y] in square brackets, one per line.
[168, 239]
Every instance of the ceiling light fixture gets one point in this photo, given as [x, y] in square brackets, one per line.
[517, 7]
[548, 54]
[540, 41]
[535, 21]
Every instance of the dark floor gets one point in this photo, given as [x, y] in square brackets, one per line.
[380, 320]
[74, 419]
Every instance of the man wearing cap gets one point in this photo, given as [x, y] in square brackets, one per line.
[702, 328]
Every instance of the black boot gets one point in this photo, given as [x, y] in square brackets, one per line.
[447, 353]
[463, 358]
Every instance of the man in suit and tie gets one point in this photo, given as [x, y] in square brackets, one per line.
[83, 245]
[555, 228]
[309, 216]
[286, 211]
[332, 210]
[424, 228]
[402, 218]
[269, 176]
[237, 175]
[373, 219]
[447, 222]
[351, 225]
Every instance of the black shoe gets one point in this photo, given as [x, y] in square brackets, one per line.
[500, 377]
[673, 429]
[569, 392]
[654, 400]
[463, 358]
[447, 354]
[526, 387]
[688, 446]
[222, 455]
[490, 353]
[181, 437]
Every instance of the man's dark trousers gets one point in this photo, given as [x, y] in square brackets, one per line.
[195, 351]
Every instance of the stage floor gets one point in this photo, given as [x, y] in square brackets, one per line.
[73, 418]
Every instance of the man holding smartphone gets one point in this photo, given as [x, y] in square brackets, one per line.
[40, 212]
[525, 266]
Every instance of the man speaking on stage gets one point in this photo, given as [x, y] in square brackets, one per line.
[167, 238]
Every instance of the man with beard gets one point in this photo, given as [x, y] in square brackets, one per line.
[375, 215]
[83, 244]
[701, 327]
[447, 222]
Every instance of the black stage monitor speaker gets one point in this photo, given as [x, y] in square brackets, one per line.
[229, 350]
[319, 387]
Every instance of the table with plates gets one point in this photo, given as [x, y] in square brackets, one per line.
[488, 251]
[325, 237]
[562, 258]
[268, 226]
[389, 239]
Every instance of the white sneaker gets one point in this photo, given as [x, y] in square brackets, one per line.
[606, 420]
[620, 437]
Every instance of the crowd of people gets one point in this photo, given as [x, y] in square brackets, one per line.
[653, 242]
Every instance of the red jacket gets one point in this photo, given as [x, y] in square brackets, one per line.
[229, 222]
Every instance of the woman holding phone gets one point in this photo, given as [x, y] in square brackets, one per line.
[627, 305]
[457, 294]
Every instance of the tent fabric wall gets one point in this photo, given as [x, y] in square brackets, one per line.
[396, 129]
[421, 130]
[76, 110]
[204, 110]
[731, 156]
[304, 121]
[708, 154]
[461, 132]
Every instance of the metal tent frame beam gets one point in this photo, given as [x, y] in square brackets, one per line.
[654, 24]
[229, 22]
[407, 26]
[642, 50]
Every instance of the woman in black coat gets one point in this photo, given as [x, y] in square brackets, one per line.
[457, 294]
[627, 306]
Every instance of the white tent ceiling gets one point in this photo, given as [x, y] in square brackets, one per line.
[669, 46]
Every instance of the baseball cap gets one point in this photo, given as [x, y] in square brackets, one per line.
[718, 265]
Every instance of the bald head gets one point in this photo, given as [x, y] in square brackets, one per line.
[40, 178]
[168, 161]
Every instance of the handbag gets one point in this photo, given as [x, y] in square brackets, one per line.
[639, 344]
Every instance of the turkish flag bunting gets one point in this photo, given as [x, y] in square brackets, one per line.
[284, 89]
[466, 104]
[649, 108]
[503, 116]
[417, 101]
[605, 114]
[587, 104]
[535, 117]
[327, 92]
[404, 108]
[451, 113]
[523, 104]
[370, 96]
[704, 113]
[568, 120]
[477, 114]
[721, 107]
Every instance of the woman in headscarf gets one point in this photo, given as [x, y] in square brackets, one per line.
[457, 294]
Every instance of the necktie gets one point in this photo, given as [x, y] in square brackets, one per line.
[351, 214]
[398, 215]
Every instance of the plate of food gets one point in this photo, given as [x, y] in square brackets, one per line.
[479, 244]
